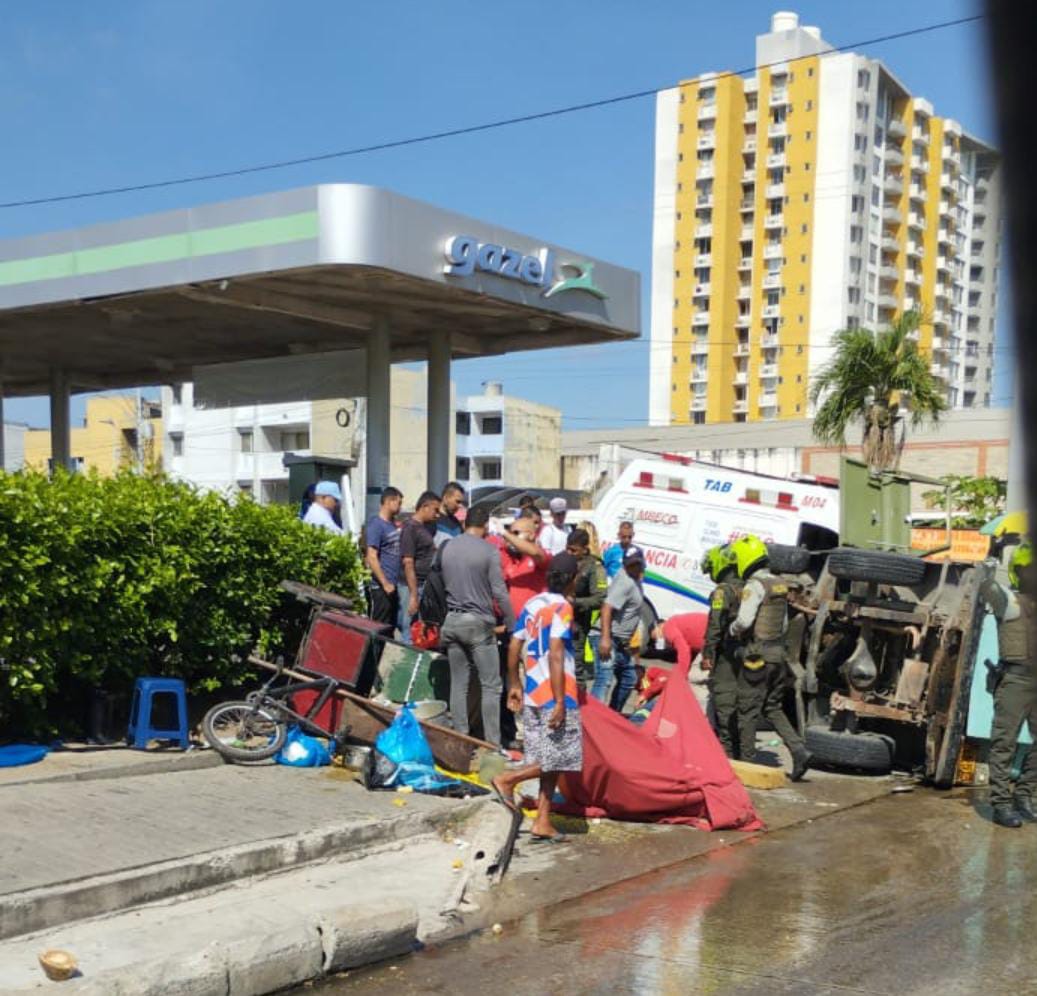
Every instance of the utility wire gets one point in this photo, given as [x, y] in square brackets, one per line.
[470, 129]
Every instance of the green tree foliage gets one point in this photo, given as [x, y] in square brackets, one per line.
[874, 378]
[974, 500]
[106, 579]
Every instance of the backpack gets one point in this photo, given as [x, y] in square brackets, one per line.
[432, 608]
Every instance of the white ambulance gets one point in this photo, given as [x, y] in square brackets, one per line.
[680, 508]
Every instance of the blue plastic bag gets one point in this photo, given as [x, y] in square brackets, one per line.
[302, 751]
[404, 741]
[13, 755]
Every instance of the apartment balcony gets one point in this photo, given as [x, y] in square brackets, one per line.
[772, 251]
[749, 175]
[775, 190]
[915, 220]
[768, 370]
[772, 221]
[892, 184]
[700, 319]
[768, 400]
[778, 97]
[891, 215]
[915, 249]
[772, 281]
[698, 405]
[741, 378]
[750, 117]
[778, 130]
[699, 375]
[749, 145]
[704, 201]
[740, 407]
[940, 317]
[701, 290]
[704, 232]
[742, 349]
[747, 206]
[919, 165]
[946, 181]
[913, 278]
[944, 236]
[911, 304]
[751, 85]
[703, 259]
[700, 347]
[920, 135]
[743, 321]
[889, 273]
[896, 128]
[890, 243]
[707, 141]
[893, 156]
[747, 233]
[769, 341]
[705, 171]
[707, 112]
[916, 192]
[745, 263]
[887, 301]
[940, 369]
[772, 311]
[776, 160]
[745, 292]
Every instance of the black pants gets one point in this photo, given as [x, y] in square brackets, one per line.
[385, 608]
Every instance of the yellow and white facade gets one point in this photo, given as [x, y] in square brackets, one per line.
[817, 195]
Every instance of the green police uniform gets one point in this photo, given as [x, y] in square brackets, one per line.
[1015, 696]
[592, 585]
[763, 677]
[720, 649]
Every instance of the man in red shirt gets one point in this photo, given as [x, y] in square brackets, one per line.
[524, 566]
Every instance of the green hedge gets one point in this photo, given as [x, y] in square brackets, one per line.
[105, 579]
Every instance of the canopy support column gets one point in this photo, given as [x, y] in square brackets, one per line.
[438, 424]
[60, 426]
[379, 402]
[3, 452]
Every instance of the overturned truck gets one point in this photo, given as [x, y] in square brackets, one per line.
[884, 648]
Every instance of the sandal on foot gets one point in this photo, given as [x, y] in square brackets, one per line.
[549, 838]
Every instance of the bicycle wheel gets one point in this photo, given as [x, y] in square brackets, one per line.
[243, 731]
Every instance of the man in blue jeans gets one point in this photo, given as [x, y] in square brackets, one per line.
[475, 595]
[620, 617]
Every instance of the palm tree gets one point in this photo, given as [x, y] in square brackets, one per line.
[876, 377]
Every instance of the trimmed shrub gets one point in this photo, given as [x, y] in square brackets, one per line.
[105, 579]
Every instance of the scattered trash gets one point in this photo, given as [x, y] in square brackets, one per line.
[58, 965]
[13, 755]
[461, 844]
[457, 864]
[497, 928]
[399, 802]
[901, 787]
[404, 788]
[773, 743]
[303, 751]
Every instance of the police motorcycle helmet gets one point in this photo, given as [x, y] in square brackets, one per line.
[750, 552]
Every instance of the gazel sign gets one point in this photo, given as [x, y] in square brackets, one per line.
[465, 255]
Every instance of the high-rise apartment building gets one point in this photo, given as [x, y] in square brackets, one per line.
[817, 195]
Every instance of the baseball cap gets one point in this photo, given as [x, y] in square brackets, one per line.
[564, 565]
[633, 554]
[557, 505]
[328, 488]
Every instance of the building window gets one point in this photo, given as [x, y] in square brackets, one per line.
[698, 418]
[245, 441]
[298, 439]
[489, 470]
[176, 441]
[245, 487]
[463, 420]
[462, 467]
[492, 425]
[178, 394]
[810, 103]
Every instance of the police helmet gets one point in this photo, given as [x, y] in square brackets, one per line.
[749, 552]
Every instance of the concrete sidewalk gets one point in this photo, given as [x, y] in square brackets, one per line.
[82, 848]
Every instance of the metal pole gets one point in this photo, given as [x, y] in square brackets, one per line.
[379, 371]
[60, 427]
[438, 414]
[3, 431]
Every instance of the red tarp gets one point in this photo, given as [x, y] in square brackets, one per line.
[671, 769]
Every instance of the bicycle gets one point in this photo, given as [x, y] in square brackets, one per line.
[255, 728]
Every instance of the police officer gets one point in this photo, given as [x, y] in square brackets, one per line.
[1015, 690]
[719, 650]
[763, 616]
[592, 585]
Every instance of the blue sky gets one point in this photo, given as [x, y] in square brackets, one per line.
[111, 93]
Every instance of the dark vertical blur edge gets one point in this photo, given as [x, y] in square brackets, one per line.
[1012, 38]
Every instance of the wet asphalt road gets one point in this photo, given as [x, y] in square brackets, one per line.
[910, 894]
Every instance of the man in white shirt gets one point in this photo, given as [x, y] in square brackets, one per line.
[555, 534]
[326, 498]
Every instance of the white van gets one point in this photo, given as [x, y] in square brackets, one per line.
[680, 508]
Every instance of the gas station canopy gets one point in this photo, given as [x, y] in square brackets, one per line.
[148, 299]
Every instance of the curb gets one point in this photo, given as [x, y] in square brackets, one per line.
[192, 760]
[38, 909]
[288, 953]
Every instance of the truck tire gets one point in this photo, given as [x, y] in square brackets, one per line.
[872, 565]
[785, 559]
[871, 752]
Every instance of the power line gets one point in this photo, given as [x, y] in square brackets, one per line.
[470, 129]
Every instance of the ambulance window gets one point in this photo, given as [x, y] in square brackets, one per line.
[817, 537]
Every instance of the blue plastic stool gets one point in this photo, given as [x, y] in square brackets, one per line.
[144, 692]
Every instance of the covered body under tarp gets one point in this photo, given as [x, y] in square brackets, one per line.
[671, 769]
